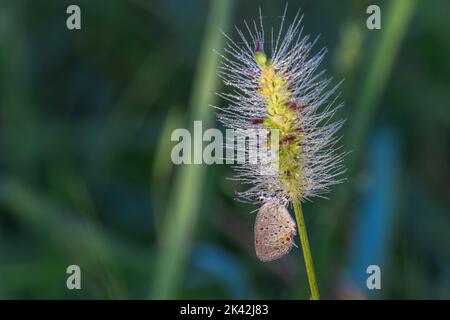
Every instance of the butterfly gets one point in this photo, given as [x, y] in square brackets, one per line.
[274, 232]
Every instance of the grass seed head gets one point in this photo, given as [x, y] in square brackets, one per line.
[282, 91]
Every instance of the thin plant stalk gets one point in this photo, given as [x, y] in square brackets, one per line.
[380, 65]
[398, 16]
[184, 203]
[306, 250]
[162, 168]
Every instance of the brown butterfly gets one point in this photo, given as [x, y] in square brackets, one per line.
[274, 232]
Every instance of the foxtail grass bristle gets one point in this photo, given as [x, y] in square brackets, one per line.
[282, 91]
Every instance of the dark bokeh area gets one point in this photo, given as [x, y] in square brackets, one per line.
[86, 176]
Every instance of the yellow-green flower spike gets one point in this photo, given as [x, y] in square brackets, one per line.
[260, 58]
[281, 91]
[280, 115]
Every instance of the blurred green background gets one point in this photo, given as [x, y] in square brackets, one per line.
[86, 176]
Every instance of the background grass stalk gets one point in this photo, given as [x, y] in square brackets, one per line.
[306, 250]
[379, 68]
[184, 203]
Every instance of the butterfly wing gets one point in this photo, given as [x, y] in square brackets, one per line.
[274, 232]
